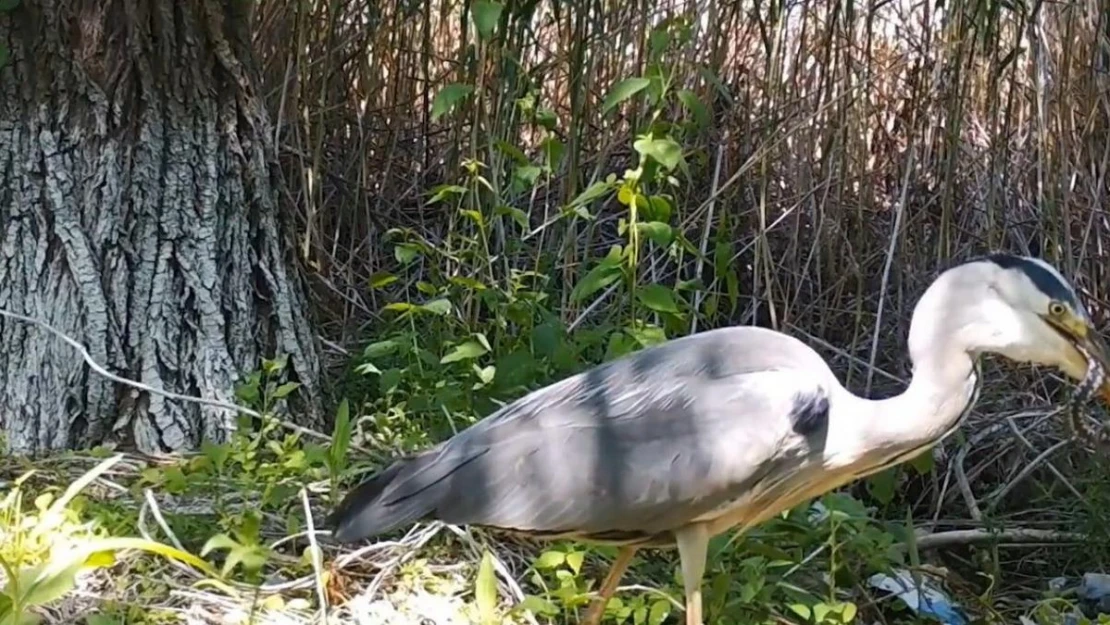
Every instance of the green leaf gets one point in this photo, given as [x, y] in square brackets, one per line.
[550, 559]
[553, 151]
[275, 365]
[546, 118]
[923, 462]
[657, 297]
[801, 610]
[443, 191]
[285, 389]
[378, 349]
[647, 335]
[382, 279]
[340, 435]
[483, 341]
[538, 605]
[405, 253]
[53, 582]
[881, 485]
[656, 231]
[664, 151]
[389, 380]
[7, 6]
[722, 256]
[218, 541]
[658, 208]
[468, 283]
[485, 590]
[848, 612]
[660, 610]
[485, 15]
[575, 559]
[517, 215]
[448, 98]
[474, 216]
[595, 191]
[485, 374]
[623, 90]
[525, 176]
[620, 344]
[465, 351]
[693, 104]
[250, 557]
[100, 560]
[658, 41]
[368, 368]
[732, 286]
[514, 369]
[602, 275]
[438, 307]
[216, 454]
[141, 544]
[511, 151]
[627, 196]
[545, 338]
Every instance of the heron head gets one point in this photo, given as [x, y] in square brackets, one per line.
[1040, 319]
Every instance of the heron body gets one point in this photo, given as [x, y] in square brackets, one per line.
[679, 442]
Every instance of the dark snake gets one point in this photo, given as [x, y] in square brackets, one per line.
[1084, 393]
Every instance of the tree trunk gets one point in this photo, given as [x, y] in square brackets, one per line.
[138, 215]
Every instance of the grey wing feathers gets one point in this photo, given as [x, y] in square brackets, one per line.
[636, 446]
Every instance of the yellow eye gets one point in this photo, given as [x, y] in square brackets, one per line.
[1056, 309]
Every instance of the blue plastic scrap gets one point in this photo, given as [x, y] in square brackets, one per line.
[923, 598]
[1095, 592]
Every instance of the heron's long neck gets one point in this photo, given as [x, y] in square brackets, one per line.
[942, 389]
[943, 386]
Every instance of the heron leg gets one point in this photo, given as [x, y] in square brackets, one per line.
[609, 586]
[693, 548]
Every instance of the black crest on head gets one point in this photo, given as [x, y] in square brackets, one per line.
[1042, 278]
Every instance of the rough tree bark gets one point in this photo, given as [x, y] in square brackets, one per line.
[138, 214]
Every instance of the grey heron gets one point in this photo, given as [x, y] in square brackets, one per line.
[721, 430]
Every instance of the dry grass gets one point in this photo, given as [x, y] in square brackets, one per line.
[386, 582]
[984, 125]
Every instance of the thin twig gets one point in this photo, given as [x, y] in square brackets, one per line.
[593, 306]
[856, 359]
[169, 394]
[1051, 467]
[1025, 471]
[314, 547]
[965, 487]
[699, 295]
[938, 540]
[153, 503]
[894, 237]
